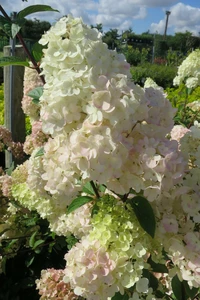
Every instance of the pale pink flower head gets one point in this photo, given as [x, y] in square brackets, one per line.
[89, 270]
[52, 287]
[178, 131]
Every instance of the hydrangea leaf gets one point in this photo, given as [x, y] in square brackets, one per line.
[156, 267]
[36, 94]
[15, 28]
[178, 288]
[88, 189]
[34, 9]
[78, 202]
[191, 292]
[13, 61]
[37, 51]
[144, 214]
[40, 152]
[119, 296]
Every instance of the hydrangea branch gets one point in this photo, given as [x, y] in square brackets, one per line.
[24, 46]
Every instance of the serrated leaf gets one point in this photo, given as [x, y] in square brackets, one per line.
[13, 61]
[40, 152]
[177, 288]
[36, 93]
[32, 239]
[88, 189]
[15, 28]
[37, 51]
[34, 9]
[78, 202]
[144, 214]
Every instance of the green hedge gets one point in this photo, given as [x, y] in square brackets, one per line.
[27, 120]
[162, 75]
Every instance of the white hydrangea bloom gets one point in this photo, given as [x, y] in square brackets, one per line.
[189, 70]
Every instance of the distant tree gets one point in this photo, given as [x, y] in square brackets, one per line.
[111, 38]
[34, 29]
[98, 26]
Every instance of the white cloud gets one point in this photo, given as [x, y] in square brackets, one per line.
[117, 14]
[183, 17]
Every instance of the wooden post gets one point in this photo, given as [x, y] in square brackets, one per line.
[13, 93]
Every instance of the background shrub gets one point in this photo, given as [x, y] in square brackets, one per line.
[162, 75]
[27, 120]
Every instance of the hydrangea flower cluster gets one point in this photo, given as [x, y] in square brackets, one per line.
[103, 128]
[189, 70]
[6, 142]
[31, 80]
[52, 287]
[113, 254]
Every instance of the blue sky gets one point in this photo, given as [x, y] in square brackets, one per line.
[140, 15]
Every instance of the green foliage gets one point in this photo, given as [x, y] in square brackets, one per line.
[181, 289]
[162, 75]
[135, 56]
[13, 60]
[1, 105]
[36, 93]
[174, 58]
[26, 255]
[111, 38]
[177, 95]
[34, 29]
[180, 97]
[78, 202]
[144, 214]
[40, 152]
[27, 120]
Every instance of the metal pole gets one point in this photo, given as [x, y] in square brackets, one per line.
[166, 24]
[9, 157]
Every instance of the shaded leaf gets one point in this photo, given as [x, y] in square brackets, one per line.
[29, 261]
[78, 202]
[119, 296]
[34, 9]
[32, 239]
[38, 243]
[13, 60]
[37, 51]
[191, 292]
[158, 268]
[71, 241]
[144, 214]
[153, 281]
[95, 209]
[177, 288]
